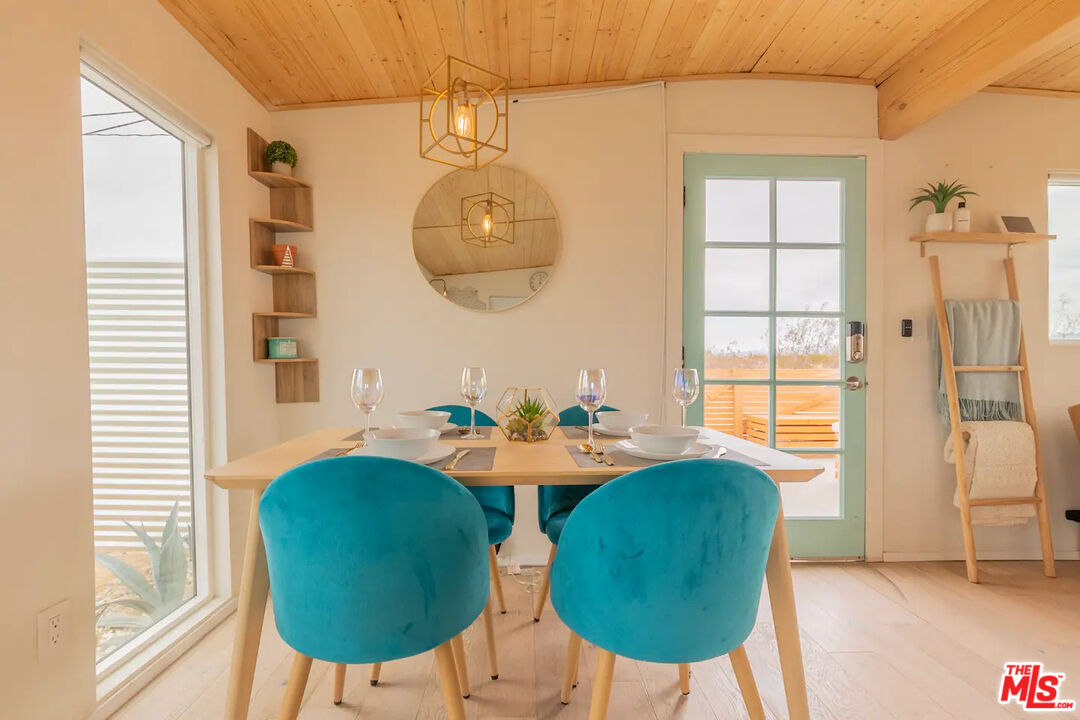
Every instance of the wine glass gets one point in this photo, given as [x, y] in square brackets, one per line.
[366, 391]
[473, 390]
[685, 388]
[591, 391]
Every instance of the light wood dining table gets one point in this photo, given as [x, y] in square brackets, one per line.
[515, 463]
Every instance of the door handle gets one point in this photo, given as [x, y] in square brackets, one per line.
[855, 383]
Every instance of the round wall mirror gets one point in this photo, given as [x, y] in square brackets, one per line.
[487, 239]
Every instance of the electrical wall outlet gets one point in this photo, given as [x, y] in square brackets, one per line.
[52, 630]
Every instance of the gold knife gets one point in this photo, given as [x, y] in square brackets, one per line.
[450, 465]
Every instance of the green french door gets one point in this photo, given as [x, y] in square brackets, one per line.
[774, 269]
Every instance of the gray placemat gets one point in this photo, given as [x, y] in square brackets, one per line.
[450, 436]
[625, 459]
[478, 458]
[576, 432]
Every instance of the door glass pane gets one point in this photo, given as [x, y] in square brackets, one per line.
[820, 497]
[736, 279]
[133, 174]
[808, 280]
[807, 416]
[739, 410]
[736, 347]
[807, 348]
[736, 210]
[808, 211]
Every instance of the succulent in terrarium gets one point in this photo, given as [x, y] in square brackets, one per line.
[526, 414]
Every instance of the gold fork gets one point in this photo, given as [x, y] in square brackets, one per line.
[603, 454]
[346, 451]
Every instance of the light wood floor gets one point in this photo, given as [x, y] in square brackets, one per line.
[881, 642]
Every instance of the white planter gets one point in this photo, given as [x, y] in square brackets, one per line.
[281, 168]
[939, 222]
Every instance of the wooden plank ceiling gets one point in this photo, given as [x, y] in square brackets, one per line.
[290, 53]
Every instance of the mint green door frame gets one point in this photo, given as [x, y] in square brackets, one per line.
[843, 536]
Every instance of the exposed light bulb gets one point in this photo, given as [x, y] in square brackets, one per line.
[487, 224]
[463, 121]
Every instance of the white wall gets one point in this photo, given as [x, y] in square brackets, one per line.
[602, 305]
[1003, 146]
[45, 502]
[601, 158]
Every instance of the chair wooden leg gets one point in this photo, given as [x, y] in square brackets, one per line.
[489, 635]
[458, 646]
[747, 686]
[376, 670]
[496, 578]
[573, 656]
[545, 587]
[684, 678]
[339, 682]
[294, 691]
[448, 680]
[601, 693]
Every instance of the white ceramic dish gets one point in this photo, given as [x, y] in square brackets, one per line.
[441, 451]
[401, 443]
[664, 439]
[433, 419]
[619, 421]
[602, 430]
[696, 450]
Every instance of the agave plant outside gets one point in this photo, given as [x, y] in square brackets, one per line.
[153, 598]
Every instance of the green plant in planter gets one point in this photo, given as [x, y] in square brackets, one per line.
[154, 598]
[526, 414]
[941, 194]
[282, 152]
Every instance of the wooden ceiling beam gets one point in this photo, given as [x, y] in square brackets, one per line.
[994, 41]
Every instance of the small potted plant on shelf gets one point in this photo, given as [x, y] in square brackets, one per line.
[940, 195]
[281, 156]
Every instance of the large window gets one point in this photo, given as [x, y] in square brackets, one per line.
[143, 318]
[1063, 212]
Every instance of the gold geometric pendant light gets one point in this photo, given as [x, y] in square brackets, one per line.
[464, 113]
[487, 220]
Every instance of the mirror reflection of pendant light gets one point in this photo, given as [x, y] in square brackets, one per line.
[487, 220]
[463, 112]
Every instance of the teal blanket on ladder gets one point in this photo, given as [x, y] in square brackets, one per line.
[984, 332]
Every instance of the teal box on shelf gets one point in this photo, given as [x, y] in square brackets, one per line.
[281, 348]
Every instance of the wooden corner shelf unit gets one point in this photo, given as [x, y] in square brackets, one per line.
[1023, 371]
[294, 297]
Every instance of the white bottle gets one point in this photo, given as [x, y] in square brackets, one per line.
[962, 218]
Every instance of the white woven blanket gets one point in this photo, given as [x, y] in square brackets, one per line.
[999, 459]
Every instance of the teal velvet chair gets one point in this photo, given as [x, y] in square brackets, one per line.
[354, 577]
[497, 502]
[554, 504]
[665, 565]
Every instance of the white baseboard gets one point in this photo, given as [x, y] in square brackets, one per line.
[119, 687]
[938, 556]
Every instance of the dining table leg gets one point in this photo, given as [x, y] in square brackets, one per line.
[782, 599]
[254, 591]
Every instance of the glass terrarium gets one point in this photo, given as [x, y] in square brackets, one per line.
[527, 414]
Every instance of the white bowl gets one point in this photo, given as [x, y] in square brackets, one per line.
[401, 443]
[621, 421]
[663, 438]
[433, 419]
